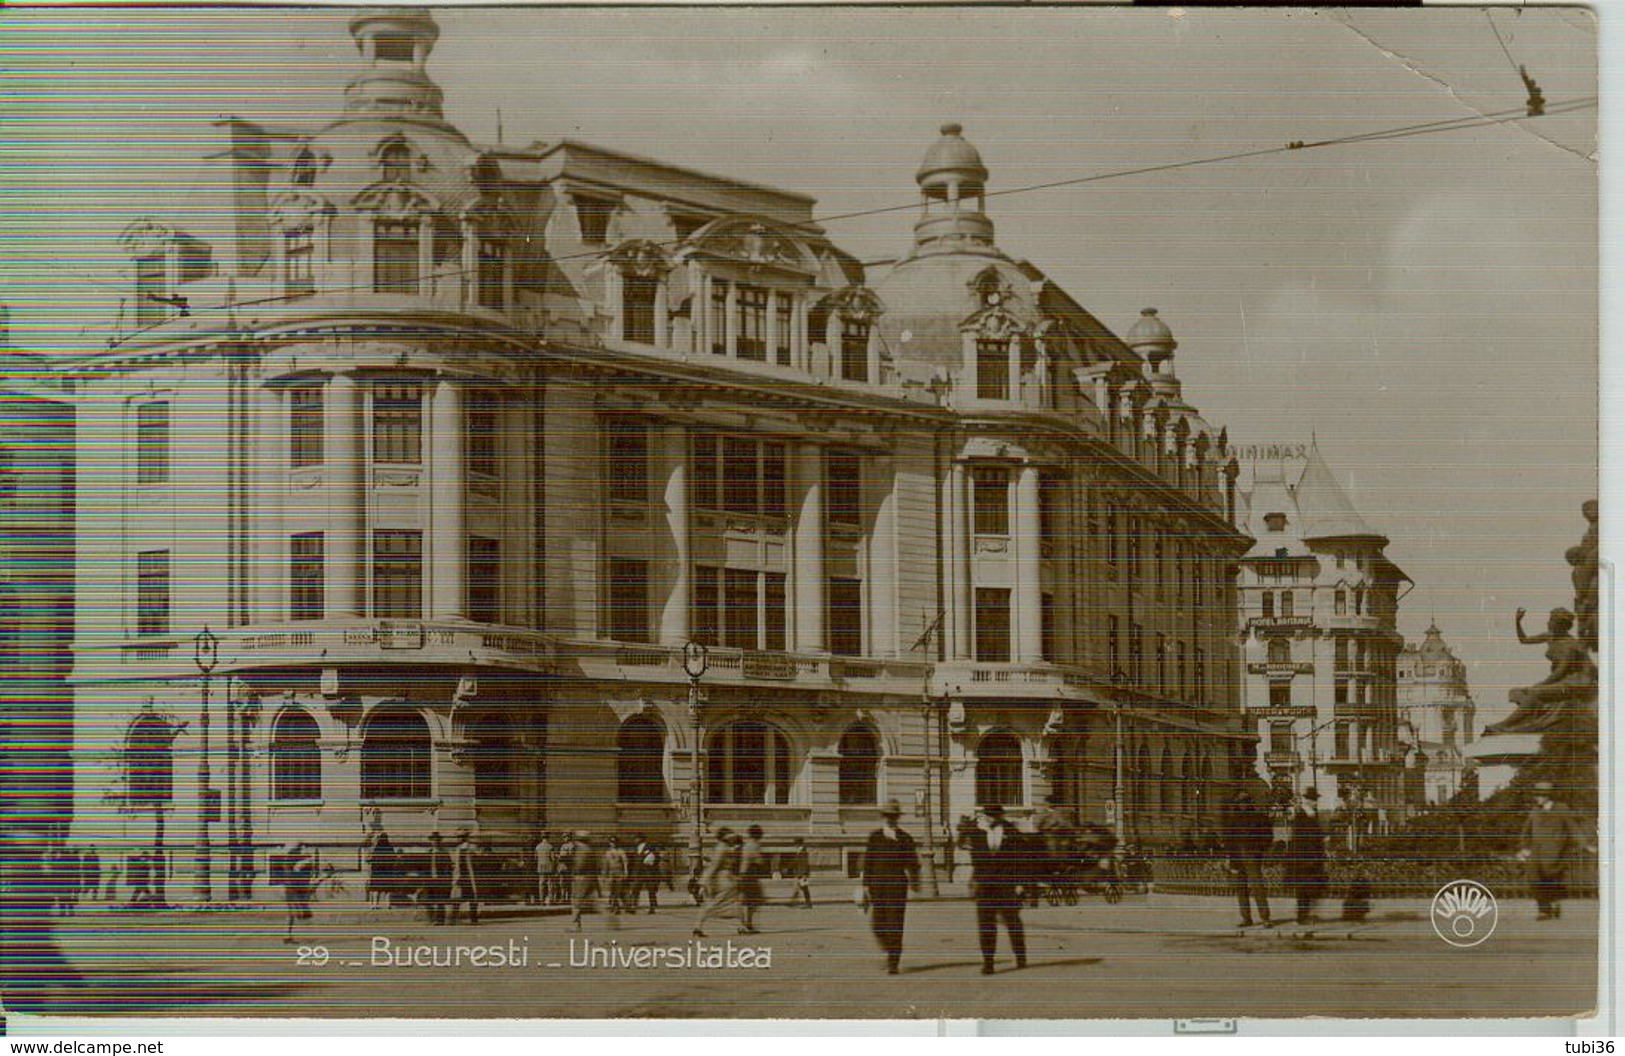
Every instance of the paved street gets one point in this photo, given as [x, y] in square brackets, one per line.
[1159, 955]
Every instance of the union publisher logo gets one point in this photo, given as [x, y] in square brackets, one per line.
[1464, 913]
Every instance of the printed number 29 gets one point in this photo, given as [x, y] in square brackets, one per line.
[315, 956]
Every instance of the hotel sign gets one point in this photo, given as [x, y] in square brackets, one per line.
[1271, 452]
[1281, 713]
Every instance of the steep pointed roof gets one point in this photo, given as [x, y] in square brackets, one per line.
[1325, 509]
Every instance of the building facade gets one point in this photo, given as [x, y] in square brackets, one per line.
[1319, 602]
[1437, 710]
[36, 595]
[455, 448]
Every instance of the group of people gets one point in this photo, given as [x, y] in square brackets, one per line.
[1249, 835]
[72, 876]
[729, 884]
[573, 868]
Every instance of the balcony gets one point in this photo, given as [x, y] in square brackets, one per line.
[725, 666]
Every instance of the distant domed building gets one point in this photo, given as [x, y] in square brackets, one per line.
[527, 488]
[1436, 704]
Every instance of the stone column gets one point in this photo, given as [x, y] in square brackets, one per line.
[959, 563]
[809, 549]
[346, 498]
[674, 625]
[446, 527]
[1029, 606]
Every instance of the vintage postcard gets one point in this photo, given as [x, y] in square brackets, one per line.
[974, 512]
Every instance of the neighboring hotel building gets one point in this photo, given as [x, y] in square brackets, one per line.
[1319, 599]
[455, 447]
[1437, 706]
[36, 597]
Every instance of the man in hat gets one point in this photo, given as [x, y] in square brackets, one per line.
[1306, 856]
[465, 881]
[1247, 837]
[891, 868]
[1551, 836]
[298, 881]
[1002, 863]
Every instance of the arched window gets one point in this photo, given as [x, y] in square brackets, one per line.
[1170, 784]
[395, 756]
[395, 161]
[150, 764]
[748, 762]
[1267, 604]
[496, 756]
[998, 770]
[860, 767]
[296, 759]
[1280, 651]
[640, 754]
[1200, 795]
[1070, 782]
[304, 168]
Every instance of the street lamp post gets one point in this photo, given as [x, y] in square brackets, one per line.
[1119, 818]
[696, 658]
[205, 654]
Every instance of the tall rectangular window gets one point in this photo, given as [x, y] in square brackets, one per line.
[1340, 602]
[628, 599]
[740, 476]
[1051, 496]
[1180, 685]
[845, 616]
[638, 308]
[484, 580]
[719, 317]
[1340, 691]
[151, 281]
[152, 592]
[1340, 741]
[990, 500]
[739, 608]
[750, 337]
[1266, 605]
[854, 349]
[773, 611]
[773, 477]
[993, 625]
[707, 612]
[397, 423]
[152, 443]
[491, 273]
[627, 452]
[1162, 662]
[395, 256]
[1281, 738]
[1286, 604]
[397, 574]
[1281, 694]
[1113, 652]
[1113, 533]
[307, 576]
[305, 426]
[784, 320]
[843, 495]
[1200, 676]
[992, 369]
[298, 260]
[480, 433]
[1131, 549]
[704, 482]
[1136, 654]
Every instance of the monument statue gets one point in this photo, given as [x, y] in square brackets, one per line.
[1569, 688]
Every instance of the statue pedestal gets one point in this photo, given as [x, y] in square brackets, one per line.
[1504, 749]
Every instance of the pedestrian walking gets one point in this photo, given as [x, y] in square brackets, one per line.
[798, 869]
[646, 871]
[752, 871]
[891, 869]
[545, 859]
[141, 880]
[90, 873]
[1002, 861]
[1306, 856]
[1247, 838]
[465, 879]
[298, 874]
[617, 874]
[436, 889]
[1552, 836]
[586, 869]
[719, 883]
[564, 869]
[380, 870]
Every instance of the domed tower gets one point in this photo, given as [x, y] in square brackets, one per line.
[952, 183]
[394, 43]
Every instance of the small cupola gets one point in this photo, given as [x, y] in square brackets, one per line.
[394, 43]
[953, 183]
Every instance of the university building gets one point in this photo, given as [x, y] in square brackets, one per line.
[1319, 602]
[454, 448]
[1436, 708]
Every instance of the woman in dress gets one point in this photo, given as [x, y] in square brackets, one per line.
[720, 881]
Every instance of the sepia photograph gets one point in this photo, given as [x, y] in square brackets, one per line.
[945, 512]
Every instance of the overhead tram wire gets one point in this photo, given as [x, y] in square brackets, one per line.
[1455, 124]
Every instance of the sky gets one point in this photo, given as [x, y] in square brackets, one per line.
[1426, 308]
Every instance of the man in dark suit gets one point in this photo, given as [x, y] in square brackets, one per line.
[1306, 856]
[1247, 836]
[1002, 862]
[891, 868]
[1551, 836]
